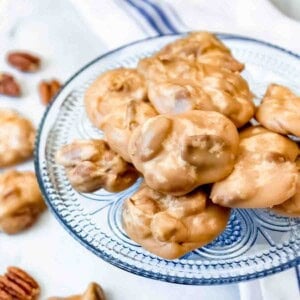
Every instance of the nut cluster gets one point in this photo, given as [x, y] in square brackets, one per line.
[17, 136]
[263, 157]
[117, 103]
[21, 201]
[280, 110]
[165, 224]
[203, 48]
[177, 153]
[91, 165]
[291, 207]
[179, 86]
[178, 118]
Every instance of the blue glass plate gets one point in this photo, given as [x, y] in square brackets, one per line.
[255, 243]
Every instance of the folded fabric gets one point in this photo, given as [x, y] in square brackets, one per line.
[120, 21]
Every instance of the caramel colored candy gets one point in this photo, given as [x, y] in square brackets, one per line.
[91, 165]
[17, 136]
[116, 103]
[170, 226]
[291, 207]
[280, 110]
[177, 153]
[202, 47]
[179, 86]
[111, 91]
[21, 201]
[265, 173]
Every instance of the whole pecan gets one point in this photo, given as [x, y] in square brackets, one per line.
[48, 89]
[16, 284]
[9, 86]
[24, 61]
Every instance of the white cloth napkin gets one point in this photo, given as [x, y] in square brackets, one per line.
[67, 38]
[120, 21]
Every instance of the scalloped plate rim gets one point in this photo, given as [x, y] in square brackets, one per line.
[122, 265]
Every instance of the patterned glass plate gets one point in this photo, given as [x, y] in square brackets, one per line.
[255, 243]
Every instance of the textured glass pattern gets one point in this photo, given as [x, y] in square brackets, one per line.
[255, 243]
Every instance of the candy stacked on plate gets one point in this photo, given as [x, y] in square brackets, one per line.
[181, 121]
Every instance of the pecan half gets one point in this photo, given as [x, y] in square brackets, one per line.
[24, 61]
[9, 86]
[48, 89]
[16, 284]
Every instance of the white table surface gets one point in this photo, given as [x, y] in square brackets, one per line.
[54, 30]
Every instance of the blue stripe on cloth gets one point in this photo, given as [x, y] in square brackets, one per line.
[162, 16]
[144, 13]
[180, 23]
[298, 275]
[133, 14]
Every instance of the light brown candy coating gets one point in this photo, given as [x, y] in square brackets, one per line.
[113, 90]
[229, 93]
[257, 181]
[264, 175]
[179, 85]
[178, 153]
[120, 125]
[17, 136]
[91, 165]
[250, 131]
[291, 207]
[21, 201]
[116, 103]
[259, 140]
[93, 292]
[177, 96]
[156, 69]
[200, 87]
[202, 47]
[280, 110]
[170, 226]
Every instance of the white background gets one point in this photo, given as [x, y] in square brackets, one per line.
[55, 31]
